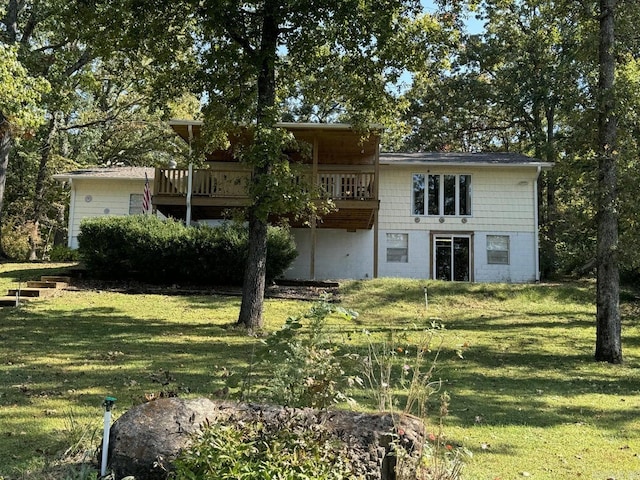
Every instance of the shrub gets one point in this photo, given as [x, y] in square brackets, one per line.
[62, 253]
[148, 248]
[15, 241]
[305, 369]
[259, 451]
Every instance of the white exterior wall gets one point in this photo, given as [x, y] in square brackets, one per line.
[98, 198]
[503, 203]
[521, 269]
[339, 254]
[417, 265]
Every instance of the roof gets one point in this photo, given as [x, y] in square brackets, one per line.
[462, 159]
[108, 173]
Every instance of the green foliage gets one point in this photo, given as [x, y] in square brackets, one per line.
[62, 253]
[15, 243]
[248, 451]
[145, 247]
[306, 369]
[20, 93]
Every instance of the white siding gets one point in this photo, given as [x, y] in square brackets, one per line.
[97, 198]
[502, 200]
[521, 268]
[503, 203]
[339, 254]
[418, 261]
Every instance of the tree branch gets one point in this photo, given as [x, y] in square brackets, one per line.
[10, 19]
[29, 28]
[85, 58]
[55, 46]
[101, 121]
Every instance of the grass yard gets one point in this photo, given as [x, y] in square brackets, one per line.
[526, 398]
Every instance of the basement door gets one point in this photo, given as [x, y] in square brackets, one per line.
[452, 258]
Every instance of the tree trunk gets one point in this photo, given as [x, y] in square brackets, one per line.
[254, 277]
[5, 148]
[39, 204]
[608, 329]
[550, 263]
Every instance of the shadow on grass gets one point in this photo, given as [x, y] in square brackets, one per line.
[54, 364]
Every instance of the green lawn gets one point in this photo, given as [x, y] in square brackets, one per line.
[526, 397]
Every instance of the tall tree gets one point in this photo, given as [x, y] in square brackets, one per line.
[608, 324]
[239, 57]
[97, 109]
[20, 92]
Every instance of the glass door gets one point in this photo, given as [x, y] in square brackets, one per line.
[452, 258]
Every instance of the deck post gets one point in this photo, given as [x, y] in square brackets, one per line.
[376, 189]
[314, 219]
[189, 192]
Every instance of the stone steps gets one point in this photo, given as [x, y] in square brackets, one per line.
[26, 292]
[55, 278]
[46, 286]
[8, 301]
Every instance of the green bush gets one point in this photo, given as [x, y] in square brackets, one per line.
[151, 249]
[15, 241]
[62, 253]
[261, 451]
[300, 365]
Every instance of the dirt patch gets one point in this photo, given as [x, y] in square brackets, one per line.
[290, 290]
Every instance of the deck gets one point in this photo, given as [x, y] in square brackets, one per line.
[218, 190]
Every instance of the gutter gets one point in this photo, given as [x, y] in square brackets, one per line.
[536, 240]
[72, 213]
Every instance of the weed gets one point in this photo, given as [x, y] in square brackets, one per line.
[305, 367]
[80, 436]
[251, 451]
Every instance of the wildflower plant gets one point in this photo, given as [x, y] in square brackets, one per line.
[398, 372]
[305, 366]
[441, 460]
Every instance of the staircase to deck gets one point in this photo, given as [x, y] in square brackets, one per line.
[48, 285]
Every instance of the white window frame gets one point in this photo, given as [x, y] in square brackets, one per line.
[135, 203]
[397, 247]
[413, 195]
[441, 195]
[493, 259]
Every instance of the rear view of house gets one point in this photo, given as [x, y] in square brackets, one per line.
[447, 216]
[459, 216]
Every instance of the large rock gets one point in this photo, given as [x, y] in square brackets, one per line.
[147, 439]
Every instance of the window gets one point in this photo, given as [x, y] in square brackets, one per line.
[498, 249]
[398, 247]
[418, 194]
[135, 204]
[446, 195]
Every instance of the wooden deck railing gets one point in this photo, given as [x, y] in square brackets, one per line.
[232, 183]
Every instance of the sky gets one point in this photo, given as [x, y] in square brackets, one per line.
[473, 26]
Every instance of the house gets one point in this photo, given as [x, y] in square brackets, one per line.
[449, 216]
[96, 192]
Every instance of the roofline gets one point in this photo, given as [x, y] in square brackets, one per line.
[287, 125]
[63, 177]
[440, 163]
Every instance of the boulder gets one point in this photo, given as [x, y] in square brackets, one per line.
[148, 438]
